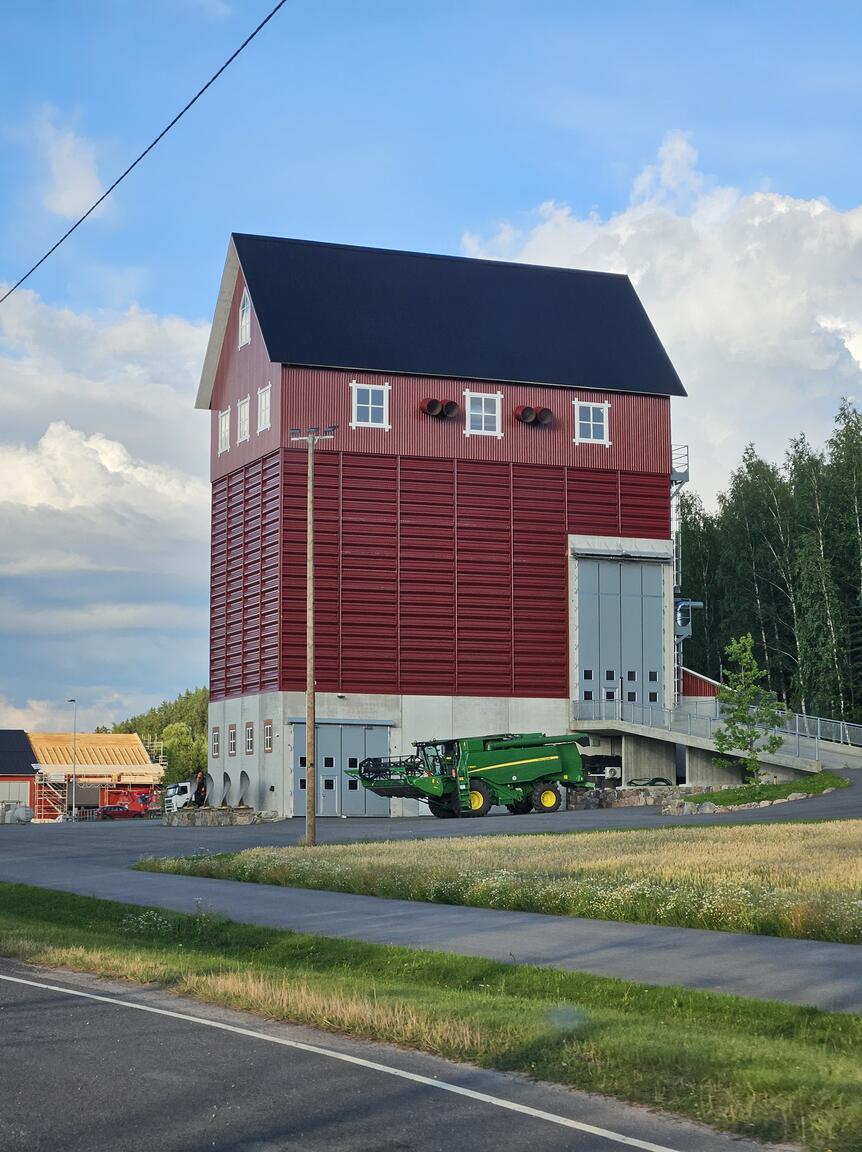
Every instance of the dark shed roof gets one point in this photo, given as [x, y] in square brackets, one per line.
[333, 305]
[16, 755]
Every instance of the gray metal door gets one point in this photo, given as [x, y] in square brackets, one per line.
[620, 634]
[339, 747]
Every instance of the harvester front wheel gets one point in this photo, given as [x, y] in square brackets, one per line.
[521, 807]
[546, 798]
[442, 809]
[480, 798]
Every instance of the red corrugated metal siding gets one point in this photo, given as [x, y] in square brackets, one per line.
[292, 672]
[539, 581]
[644, 505]
[593, 502]
[694, 685]
[483, 501]
[639, 425]
[426, 577]
[244, 584]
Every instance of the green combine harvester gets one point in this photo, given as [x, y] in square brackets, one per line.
[466, 777]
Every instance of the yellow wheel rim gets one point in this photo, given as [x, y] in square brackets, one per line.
[476, 801]
[548, 798]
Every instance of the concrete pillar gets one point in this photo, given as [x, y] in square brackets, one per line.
[644, 758]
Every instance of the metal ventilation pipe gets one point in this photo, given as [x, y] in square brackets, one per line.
[525, 413]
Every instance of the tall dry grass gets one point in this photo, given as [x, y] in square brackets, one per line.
[801, 880]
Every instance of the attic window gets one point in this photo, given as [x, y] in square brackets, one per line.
[592, 423]
[370, 407]
[263, 406]
[483, 414]
[242, 420]
[245, 319]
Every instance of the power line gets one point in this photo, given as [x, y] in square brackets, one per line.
[148, 149]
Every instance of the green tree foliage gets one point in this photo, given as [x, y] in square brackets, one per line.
[781, 558]
[189, 708]
[748, 710]
[186, 754]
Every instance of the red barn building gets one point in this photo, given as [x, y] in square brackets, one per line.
[493, 515]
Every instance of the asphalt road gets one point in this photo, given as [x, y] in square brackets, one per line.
[95, 860]
[83, 1075]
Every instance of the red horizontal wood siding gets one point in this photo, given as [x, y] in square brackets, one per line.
[639, 425]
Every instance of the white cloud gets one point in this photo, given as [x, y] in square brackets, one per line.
[72, 180]
[56, 715]
[756, 297]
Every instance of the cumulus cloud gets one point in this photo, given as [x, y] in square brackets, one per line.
[71, 182]
[755, 295]
[54, 716]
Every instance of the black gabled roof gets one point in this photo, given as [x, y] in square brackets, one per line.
[334, 305]
[16, 755]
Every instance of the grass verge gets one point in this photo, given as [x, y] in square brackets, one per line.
[769, 1071]
[798, 880]
[753, 793]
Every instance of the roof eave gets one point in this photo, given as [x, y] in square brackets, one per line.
[219, 328]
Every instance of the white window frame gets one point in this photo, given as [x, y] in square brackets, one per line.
[606, 407]
[498, 414]
[242, 410]
[244, 321]
[216, 743]
[267, 394]
[385, 389]
[249, 738]
[231, 739]
[224, 431]
[267, 736]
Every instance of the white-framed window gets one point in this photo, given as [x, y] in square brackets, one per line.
[592, 423]
[484, 415]
[216, 743]
[263, 404]
[267, 735]
[369, 406]
[242, 420]
[245, 319]
[231, 739]
[249, 738]
[224, 431]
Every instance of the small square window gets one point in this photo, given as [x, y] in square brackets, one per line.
[302, 761]
[653, 677]
[588, 695]
[631, 697]
[370, 405]
[483, 414]
[242, 432]
[610, 695]
[263, 406]
[588, 673]
[591, 423]
[352, 785]
[653, 697]
[353, 762]
[224, 431]
[631, 675]
[609, 674]
[328, 784]
[328, 761]
[302, 782]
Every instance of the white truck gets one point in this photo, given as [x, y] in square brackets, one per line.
[179, 795]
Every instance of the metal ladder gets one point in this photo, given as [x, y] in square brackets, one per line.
[462, 777]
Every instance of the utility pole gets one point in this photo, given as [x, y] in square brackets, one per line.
[311, 437]
[73, 700]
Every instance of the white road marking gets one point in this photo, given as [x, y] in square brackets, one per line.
[427, 1081]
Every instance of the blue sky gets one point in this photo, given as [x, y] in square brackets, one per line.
[712, 151]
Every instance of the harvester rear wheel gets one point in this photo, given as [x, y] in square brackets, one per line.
[480, 798]
[442, 809]
[546, 797]
[521, 807]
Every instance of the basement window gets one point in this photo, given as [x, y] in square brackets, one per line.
[224, 431]
[242, 420]
[245, 319]
[484, 414]
[370, 405]
[263, 406]
[591, 423]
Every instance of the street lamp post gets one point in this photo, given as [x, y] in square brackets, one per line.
[73, 700]
[311, 437]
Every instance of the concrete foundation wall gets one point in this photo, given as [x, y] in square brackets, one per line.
[644, 758]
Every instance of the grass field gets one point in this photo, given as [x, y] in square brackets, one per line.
[800, 880]
[770, 1071]
[751, 793]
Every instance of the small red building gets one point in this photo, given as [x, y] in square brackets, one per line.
[493, 515]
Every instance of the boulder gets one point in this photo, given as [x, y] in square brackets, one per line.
[798, 796]
[765, 804]
[707, 806]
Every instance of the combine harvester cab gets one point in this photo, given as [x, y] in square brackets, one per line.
[466, 777]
